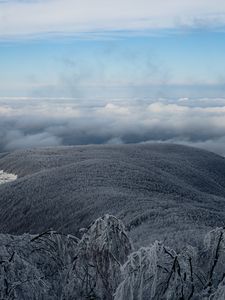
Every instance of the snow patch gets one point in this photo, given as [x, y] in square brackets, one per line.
[6, 177]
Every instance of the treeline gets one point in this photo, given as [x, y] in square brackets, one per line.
[102, 264]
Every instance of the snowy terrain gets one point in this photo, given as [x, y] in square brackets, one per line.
[102, 264]
[166, 240]
[160, 191]
[6, 177]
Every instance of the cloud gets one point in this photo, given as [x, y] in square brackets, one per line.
[33, 18]
[27, 123]
[16, 139]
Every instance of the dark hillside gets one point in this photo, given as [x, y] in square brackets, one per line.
[160, 191]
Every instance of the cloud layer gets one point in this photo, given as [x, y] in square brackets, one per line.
[29, 123]
[30, 18]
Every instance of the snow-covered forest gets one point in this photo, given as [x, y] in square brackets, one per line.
[103, 264]
[176, 191]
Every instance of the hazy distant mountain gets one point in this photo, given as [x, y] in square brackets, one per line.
[160, 191]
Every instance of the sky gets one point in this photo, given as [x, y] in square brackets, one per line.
[124, 58]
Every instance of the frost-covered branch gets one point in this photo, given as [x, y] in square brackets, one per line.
[103, 265]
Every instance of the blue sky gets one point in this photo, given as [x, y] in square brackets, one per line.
[55, 48]
[187, 58]
[101, 71]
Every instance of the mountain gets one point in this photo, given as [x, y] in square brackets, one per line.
[166, 192]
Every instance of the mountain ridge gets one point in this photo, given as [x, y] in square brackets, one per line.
[161, 191]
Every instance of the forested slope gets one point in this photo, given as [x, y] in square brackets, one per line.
[160, 191]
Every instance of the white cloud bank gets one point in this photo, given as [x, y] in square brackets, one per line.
[30, 18]
[26, 124]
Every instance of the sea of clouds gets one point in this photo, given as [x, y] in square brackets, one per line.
[41, 122]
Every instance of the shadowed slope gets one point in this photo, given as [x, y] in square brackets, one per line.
[160, 191]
